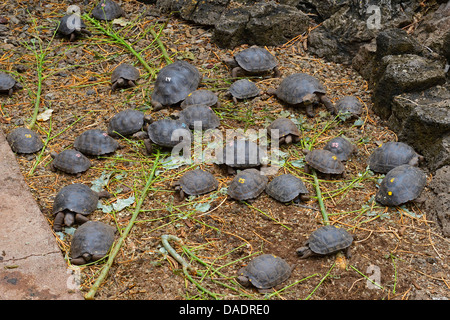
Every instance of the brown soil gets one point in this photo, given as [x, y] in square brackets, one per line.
[401, 245]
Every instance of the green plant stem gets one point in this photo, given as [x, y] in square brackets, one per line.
[110, 33]
[319, 198]
[115, 250]
[320, 282]
[160, 44]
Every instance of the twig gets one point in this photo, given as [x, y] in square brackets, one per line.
[160, 44]
[115, 250]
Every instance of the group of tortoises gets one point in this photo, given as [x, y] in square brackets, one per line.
[177, 84]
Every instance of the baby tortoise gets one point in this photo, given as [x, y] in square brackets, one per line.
[24, 140]
[8, 85]
[286, 188]
[124, 76]
[73, 203]
[174, 83]
[393, 154]
[341, 147]
[167, 133]
[301, 89]
[197, 115]
[241, 154]
[128, 122]
[253, 61]
[196, 182]
[91, 242]
[107, 10]
[349, 107]
[70, 161]
[243, 89]
[326, 240]
[323, 161]
[400, 185]
[287, 131]
[201, 97]
[71, 26]
[264, 272]
[247, 184]
[95, 142]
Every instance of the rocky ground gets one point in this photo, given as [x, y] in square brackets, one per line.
[401, 248]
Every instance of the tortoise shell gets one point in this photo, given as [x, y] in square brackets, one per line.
[266, 271]
[392, 154]
[107, 10]
[92, 239]
[95, 142]
[125, 71]
[70, 161]
[400, 185]
[125, 123]
[244, 89]
[349, 105]
[24, 140]
[324, 161]
[77, 198]
[295, 87]
[329, 239]
[200, 97]
[242, 154]
[341, 147]
[174, 83]
[286, 187]
[256, 60]
[67, 27]
[285, 127]
[6, 82]
[161, 131]
[200, 115]
[197, 182]
[247, 184]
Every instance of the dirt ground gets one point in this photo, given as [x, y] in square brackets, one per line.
[401, 248]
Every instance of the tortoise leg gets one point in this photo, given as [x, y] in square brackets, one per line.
[310, 110]
[69, 219]
[182, 194]
[114, 86]
[288, 139]
[282, 140]
[59, 220]
[10, 92]
[235, 71]
[327, 103]
[157, 106]
[235, 100]
[347, 253]
[80, 219]
[148, 146]
[78, 261]
[72, 37]
[96, 257]
[276, 72]
[86, 32]
[131, 83]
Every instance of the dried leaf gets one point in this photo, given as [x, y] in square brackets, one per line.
[44, 116]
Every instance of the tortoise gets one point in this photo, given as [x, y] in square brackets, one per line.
[71, 25]
[253, 61]
[167, 133]
[301, 89]
[24, 140]
[243, 89]
[241, 154]
[287, 130]
[392, 154]
[400, 185]
[324, 161]
[326, 240]
[127, 122]
[95, 142]
[264, 272]
[91, 242]
[341, 147]
[349, 106]
[201, 97]
[196, 182]
[174, 83]
[124, 76]
[8, 84]
[199, 115]
[247, 184]
[70, 161]
[73, 203]
[286, 188]
[107, 10]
